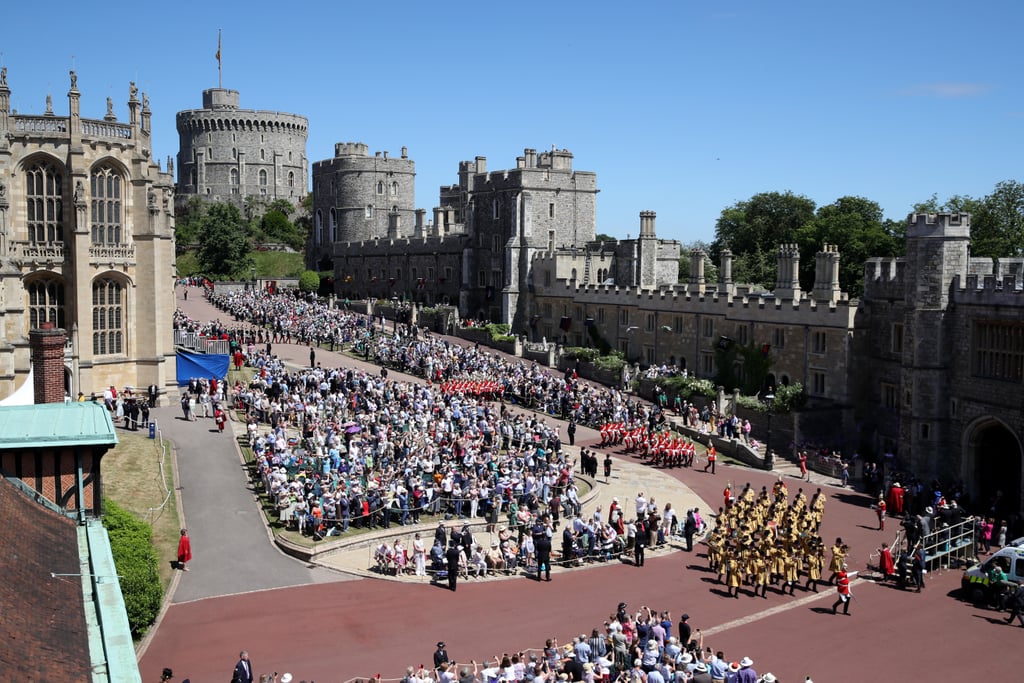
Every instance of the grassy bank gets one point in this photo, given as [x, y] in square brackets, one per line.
[132, 478]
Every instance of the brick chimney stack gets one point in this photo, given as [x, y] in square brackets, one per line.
[47, 345]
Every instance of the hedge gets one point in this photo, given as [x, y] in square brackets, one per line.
[136, 560]
[686, 386]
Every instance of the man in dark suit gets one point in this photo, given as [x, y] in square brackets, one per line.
[243, 670]
[452, 561]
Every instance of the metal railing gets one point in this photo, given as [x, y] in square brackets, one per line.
[153, 512]
[200, 343]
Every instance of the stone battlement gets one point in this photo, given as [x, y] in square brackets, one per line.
[804, 310]
[939, 225]
[989, 290]
[386, 245]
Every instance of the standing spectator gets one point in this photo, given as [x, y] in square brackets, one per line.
[689, 529]
[639, 543]
[243, 669]
[452, 561]
[184, 550]
[186, 407]
[804, 474]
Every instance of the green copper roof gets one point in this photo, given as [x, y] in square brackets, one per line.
[50, 425]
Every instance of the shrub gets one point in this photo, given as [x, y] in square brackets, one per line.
[612, 362]
[136, 560]
[582, 354]
[499, 332]
[687, 386]
[309, 281]
[787, 399]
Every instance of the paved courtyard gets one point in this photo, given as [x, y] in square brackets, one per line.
[332, 623]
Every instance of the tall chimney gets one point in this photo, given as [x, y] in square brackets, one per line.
[47, 346]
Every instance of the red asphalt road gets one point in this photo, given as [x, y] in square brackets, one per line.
[335, 632]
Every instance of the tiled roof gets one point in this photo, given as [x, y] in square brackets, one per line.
[44, 636]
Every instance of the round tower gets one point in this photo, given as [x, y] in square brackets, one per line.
[227, 154]
[354, 194]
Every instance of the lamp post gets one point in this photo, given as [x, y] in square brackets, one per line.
[769, 460]
[252, 271]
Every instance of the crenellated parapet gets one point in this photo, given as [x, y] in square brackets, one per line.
[993, 289]
[941, 224]
[884, 277]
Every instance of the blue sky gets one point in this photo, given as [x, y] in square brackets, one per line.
[683, 108]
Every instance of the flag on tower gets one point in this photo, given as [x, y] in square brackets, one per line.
[218, 47]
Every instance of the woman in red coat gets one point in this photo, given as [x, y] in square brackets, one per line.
[220, 418]
[184, 550]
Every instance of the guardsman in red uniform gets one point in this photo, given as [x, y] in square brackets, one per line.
[712, 456]
[843, 589]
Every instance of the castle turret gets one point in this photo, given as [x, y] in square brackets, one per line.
[936, 254]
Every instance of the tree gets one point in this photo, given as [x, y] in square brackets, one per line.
[187, 222]
[309, 281]
[857, 227]
[998, 228]
[754, 229]
[276, 227]
[710, 268]
[224, 242]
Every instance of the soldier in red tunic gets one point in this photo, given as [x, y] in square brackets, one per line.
[843, 589]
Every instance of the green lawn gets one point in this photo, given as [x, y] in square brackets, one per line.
[269, 264]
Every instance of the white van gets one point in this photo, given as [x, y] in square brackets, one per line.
[975, 581]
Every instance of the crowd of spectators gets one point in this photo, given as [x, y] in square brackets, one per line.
[337, 448]
[342, 447]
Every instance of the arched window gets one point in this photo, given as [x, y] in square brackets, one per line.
[44, 198]
[333, 217]
[394, 189]
[380, 187]
[263, 177]
[263, 155]
[107, 317]
[318, 227]
[291, 178]
[105, 195]
[234, 176]
[45, 302]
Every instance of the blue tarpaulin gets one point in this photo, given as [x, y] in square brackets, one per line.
[202, 366]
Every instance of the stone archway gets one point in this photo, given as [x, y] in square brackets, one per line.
[992, 467]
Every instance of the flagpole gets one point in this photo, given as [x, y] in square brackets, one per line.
[220, 74]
